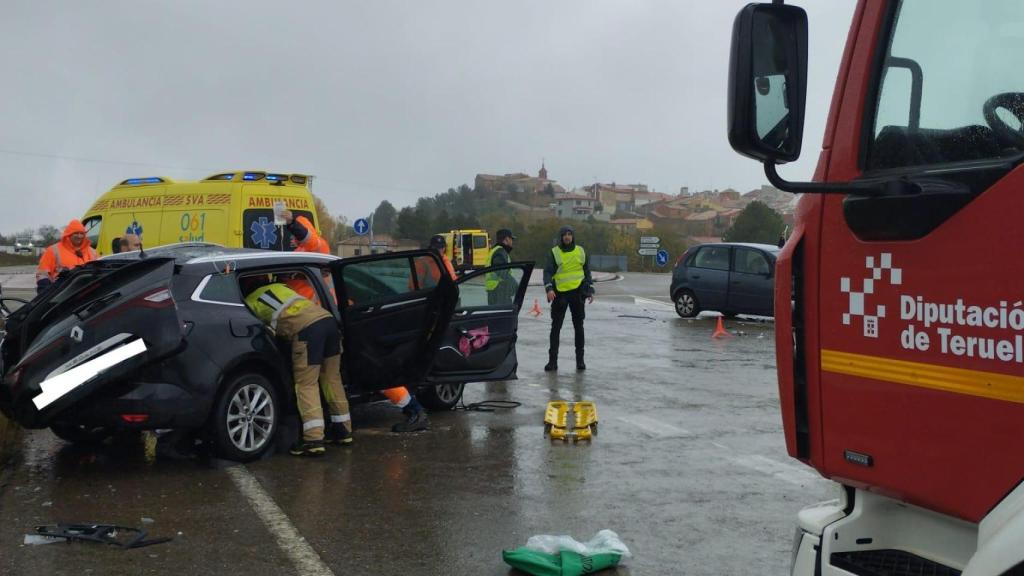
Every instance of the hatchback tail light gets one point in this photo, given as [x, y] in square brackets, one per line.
[135, 418]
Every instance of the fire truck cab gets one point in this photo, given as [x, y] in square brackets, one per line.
[899, 297]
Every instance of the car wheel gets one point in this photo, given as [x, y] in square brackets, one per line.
[686, 304]
[80, 434]
[245, 418]
[440, 396]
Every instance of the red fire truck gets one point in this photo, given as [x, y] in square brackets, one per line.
[899, 298]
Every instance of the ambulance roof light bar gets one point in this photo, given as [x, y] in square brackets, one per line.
[140, 181]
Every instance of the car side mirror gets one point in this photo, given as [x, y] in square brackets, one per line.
[768, 82]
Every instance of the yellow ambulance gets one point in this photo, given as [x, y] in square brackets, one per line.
[234, 209]
[467, 249]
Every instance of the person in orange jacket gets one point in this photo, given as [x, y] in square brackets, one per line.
[305, 239]
[73, 250]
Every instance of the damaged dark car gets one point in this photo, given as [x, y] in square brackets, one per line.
[164, 340]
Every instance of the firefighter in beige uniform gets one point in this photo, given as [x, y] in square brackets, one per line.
[316, 356]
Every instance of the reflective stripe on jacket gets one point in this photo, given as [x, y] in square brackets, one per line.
[272, 301]
[569, 268]
[56, 259]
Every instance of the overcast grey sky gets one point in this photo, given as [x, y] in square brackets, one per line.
[382, 99]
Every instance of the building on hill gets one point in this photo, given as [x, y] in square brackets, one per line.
[574, 206]
[505, 185]
[632, 225]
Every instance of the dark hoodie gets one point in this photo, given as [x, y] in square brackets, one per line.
[587, 287]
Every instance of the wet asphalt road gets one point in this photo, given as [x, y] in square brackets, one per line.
[689, 469]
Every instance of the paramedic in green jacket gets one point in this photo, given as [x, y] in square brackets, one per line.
[568, 283]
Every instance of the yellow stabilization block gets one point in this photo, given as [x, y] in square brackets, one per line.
[584, 426]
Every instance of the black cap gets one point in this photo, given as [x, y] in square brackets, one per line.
[437, 241]
[505, 233]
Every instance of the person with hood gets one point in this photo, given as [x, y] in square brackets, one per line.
[501, 286]
[72, 251]
[568, 283]
[306, 239]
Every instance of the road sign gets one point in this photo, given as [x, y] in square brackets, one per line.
[649, 240]
[647, 251]
[662, 257]
[361, 227]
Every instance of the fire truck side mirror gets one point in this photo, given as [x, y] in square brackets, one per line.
[768, 82]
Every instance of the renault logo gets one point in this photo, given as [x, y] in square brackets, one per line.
[77, 334]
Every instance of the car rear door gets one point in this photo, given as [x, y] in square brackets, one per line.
[708, 276]
[479, 343]
[750, 282]
[98, 327]
[395, 308]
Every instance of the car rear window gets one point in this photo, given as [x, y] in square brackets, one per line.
[221, 288]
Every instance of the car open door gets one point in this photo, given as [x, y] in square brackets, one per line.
[99, 326]
[479, 343]
[394, 308]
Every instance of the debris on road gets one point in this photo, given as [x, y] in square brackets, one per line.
[547, 555]
[121, 536]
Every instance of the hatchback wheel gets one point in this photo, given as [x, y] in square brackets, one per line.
[440, 396]
[686, 304]
[245, 419]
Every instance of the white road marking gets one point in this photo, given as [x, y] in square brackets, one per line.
[306, 561]
[654, 427]
[649, 302]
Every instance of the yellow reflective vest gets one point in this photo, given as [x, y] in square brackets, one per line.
[568, 268]
[271, 301]
[492, 280]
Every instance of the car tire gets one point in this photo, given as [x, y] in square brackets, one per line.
[686, 304]
[245, 419]
[440, 397]
[79, 434]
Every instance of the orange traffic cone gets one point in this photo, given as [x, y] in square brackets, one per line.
[720, 331]
[536, 308]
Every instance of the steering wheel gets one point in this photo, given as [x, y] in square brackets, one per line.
[1006, 134]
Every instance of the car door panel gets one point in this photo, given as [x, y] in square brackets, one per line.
[708, 277]
[394, 308]
[479, 342]
[89, 335]
[751, 282]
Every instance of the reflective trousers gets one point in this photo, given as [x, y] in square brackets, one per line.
[316, 358]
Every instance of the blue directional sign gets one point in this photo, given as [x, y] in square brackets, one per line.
[662, 257]
[361, 226]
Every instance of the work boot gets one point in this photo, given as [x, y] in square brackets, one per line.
[580, 364]
[307, 448]
[552, 364]
[338, 435]
[415, 422]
